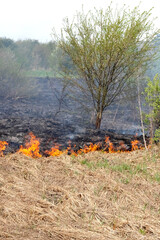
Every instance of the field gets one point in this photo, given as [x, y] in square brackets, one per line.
[41, 73]
[99, 196]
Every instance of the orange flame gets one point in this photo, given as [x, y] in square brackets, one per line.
[109, 145]
[134, 145]
[2, 147]
[69, 149]
[54, 151]
[31, 148]
[91, 148]
[73, 152]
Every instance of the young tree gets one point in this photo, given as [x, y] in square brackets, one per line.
[106, 48]
[152, 97]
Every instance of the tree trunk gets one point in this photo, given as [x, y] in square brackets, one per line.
[141, 115]
[98, 120]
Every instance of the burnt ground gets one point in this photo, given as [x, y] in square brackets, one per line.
[54, 118]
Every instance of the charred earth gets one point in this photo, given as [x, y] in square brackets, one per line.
[54, 118]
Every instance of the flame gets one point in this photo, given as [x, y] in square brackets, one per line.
[134, 145]
[109, 145]
[2, 147]
[73, 152]
[54, 151]
[31, 148]
[69, 149]
[91, 148]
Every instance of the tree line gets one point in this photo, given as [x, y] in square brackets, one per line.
[17, 60]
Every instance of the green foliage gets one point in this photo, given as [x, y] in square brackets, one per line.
[157, 135]
[107, 48]
[12, 80]
[21, 60]
[153, 93]
[156, 177]
[33, 55]
[8, 64]
[142, 231]
[7, 43]
[152, 97]
[100, 164]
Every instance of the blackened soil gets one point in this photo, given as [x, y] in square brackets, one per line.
[50, 133]
[41, 115]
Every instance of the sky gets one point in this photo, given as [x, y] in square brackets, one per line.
[35, 19]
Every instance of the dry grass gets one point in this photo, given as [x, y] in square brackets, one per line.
[94, 196]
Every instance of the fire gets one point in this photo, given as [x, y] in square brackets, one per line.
[54, 151]
[135, 145]
[109, 145]
[31, 148]
[69, 149]
[2, 147]
[91, 148]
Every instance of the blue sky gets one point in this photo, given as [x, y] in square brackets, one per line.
[35, 19]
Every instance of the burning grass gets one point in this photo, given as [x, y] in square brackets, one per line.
[32, 147]
[3, 145]
[91, 196]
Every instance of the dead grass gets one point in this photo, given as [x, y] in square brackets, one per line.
[93, 196]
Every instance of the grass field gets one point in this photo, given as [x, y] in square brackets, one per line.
[97, 196]
[42, 73]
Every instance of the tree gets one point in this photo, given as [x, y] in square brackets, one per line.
[107, 48]
[13, 83]
[152, 97]
[25, 53]
[7, 43]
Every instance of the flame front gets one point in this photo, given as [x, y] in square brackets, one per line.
[91, 148]
[135, 145]
[2, 147]
[109, 145]
[31, 148]
[54, 151]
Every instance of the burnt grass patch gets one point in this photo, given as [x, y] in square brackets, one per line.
[40, 114]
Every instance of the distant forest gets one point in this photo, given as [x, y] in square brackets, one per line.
[28, 54]
[32, 55]
[22, 60]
